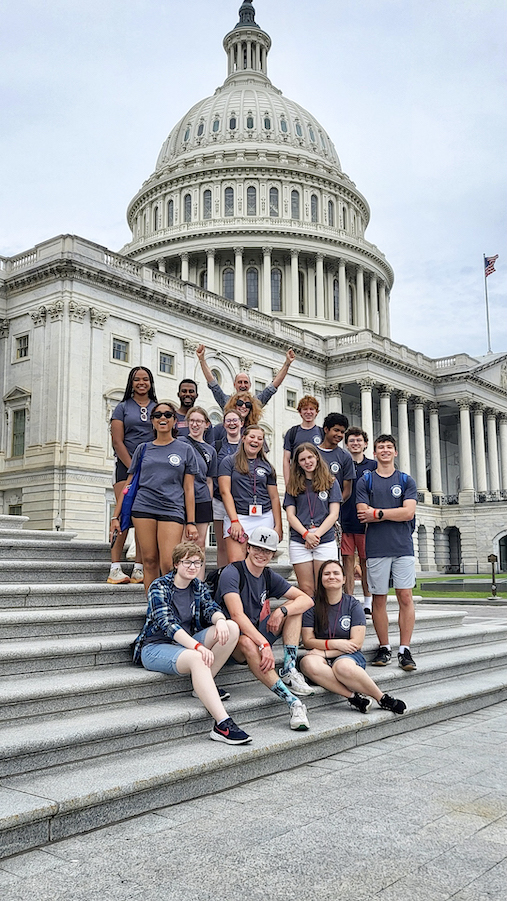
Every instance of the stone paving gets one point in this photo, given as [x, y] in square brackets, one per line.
[421, 815]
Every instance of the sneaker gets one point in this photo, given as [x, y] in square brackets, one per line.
[393, 704]
[229, 733]
[298, 718]
[295, 681]
[137, 575]
[118, 577]
[382, 657]
[367, 611]
[406, 661]
[360, 702]
[222, 694]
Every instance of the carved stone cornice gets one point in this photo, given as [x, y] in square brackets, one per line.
[77, 312]
[98, 318]
[146, 333]
[39, 316]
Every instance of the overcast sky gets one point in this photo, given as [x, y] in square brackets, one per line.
[412, 92]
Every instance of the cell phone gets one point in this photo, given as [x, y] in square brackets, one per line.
[242, 538]
[114, 537]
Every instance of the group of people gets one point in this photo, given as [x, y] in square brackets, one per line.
[186, 473]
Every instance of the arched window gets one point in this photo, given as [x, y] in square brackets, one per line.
[312, 134]
[301, 292]
[187, 208]
[252, 288]
[200, 129]
[336, 300]
[294, 204]
[216, 125]
[273, 201]
[156, 223]
[351, 306]
[283, 125]
[251, 201]
[344, 214]
[187, 135]
[206, 205]
[276, 290]
[249, 122]
[314, 206]
[267, 123]
[170, 213]
[232, 123]
[330, 213]
[229, 202]
[322, 141]
[228, 283]
[299, 130]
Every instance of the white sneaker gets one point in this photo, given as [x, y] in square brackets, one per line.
[298, 718]
[295, 681]
[137, 575]
[118, 577]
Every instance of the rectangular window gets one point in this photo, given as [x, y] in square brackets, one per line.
[15, 510]
[166, 363]
[120, 350]
[259, 386]
[21, 347]
[291, 399]
[18, 432]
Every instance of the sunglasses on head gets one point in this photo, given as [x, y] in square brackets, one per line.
[162, 414]
[244, 403]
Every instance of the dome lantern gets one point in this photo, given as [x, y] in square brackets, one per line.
[247, 45]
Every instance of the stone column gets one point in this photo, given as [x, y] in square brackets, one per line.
[146, 335]
[494, 474]
[210, 258]
[335, 392]
[403, 433]
[238, 275]
[420, 447]
[265, 299]
[383, 324]
[466, 467]
[480, 449]
[184, 267]
[385, 411]
[366, 386]
[361, 318]
[161, 265]
[503, 448]
[374, 324]
[310, 289]
[436, 470]
[294, 284]
[342, 292]
[320, 285]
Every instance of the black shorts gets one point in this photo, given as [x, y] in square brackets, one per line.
[158, 517]
[204, 512]
[121, 472]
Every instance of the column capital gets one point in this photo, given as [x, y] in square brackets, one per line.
[464, 403]
[189, 347]
[4, 328]
[239, 251]
[98, 318]
[403, 397]
[491, 414]
[503, 417]
[366, 384]
[479, 408]
[308, 386]
[334, 389]
[146, 333]
[77, 312]
[419, 403]
[245, 364]
[434, 409]
[267, 251]
[294, 252]
[39, 316]
[319, 257]
[185, 255]
[385, 391]
[210, 251]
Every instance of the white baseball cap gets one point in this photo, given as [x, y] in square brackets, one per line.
[266, 538]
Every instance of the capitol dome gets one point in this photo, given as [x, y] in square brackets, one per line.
[248, 199]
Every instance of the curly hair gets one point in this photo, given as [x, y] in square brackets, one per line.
[321, 477]
[240, 457]
[253, 415]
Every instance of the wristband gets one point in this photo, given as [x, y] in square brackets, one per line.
[265, 645]
[326, 644]
[198, 645]
[305, 533]
[374, 514]
[234, 520]
[115, 519]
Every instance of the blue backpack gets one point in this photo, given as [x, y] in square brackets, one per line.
[367, 476]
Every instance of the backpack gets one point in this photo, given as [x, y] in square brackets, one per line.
[213, 578]
[367, 476]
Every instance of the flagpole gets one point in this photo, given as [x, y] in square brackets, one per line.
[487, 304]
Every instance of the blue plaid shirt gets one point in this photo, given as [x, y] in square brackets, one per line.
[162, 618]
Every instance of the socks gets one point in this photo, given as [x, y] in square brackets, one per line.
[282, 692]
[404, 647]
[290, 652]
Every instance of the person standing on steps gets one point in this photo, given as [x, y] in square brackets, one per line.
[225, 447]
[386, 502]
[306, 432]
[242, 380]
[353, 534]
[245, 588]
[130, 426]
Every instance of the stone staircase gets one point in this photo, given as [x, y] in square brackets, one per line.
[87, 739]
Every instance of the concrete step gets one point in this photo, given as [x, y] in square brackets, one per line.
[40, 741]
[66, 621]
[59, 594]
[37, 571]
[30, 549]
[69, 798]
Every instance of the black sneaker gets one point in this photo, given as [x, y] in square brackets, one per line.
[382, 657]
[223, 694]
[360, 702]
[406, 661]
[229, 733]
[392, 704]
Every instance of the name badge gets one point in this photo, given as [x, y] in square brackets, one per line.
[255, 510]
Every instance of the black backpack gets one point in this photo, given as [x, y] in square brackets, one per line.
[213, 577]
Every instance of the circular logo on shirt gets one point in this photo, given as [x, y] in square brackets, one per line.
[317, 439]
[261, 472]
[345, 623]
[323, 495]
[335, 467]
[174, 459]
[396, 491]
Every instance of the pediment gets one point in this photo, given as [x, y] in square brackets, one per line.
[16, 394]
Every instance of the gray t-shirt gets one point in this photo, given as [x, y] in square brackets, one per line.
[206, 459]
[163, 470]
[341, 618]
[385, 538]
[340, 464]
[250, 488]
[137, 430]
[253, 593]
[221, 397]
[311, 506]
[223, 449]
[183, 603]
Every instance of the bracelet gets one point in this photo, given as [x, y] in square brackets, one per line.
[374, 514]
[326, 644]
[115, 519]
[265, 645]
[198, 645]
[305, 533]
[234, 520]
[191, 523]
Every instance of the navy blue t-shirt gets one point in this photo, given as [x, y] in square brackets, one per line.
[340, 464]
[253, 593]
[244, 488]
[310, 505]
[348, 513]
[341, 618]
[297, 435]
[385, 538]
[223, 449]
[206, 459]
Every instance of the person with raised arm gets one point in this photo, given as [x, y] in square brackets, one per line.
[242, 380]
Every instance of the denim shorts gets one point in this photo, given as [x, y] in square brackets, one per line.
[357, 657]
[161, 657]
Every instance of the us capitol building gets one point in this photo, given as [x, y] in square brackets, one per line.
[249, 237]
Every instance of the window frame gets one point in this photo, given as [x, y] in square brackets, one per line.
[166, 353]
[128, 344]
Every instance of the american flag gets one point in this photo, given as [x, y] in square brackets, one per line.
[489, 264]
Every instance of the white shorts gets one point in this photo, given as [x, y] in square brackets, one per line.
[298, 553]
[250, 523]
[402, 569]
[218, 509]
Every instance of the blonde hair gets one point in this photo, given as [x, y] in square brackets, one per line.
[322, 479]
[198, 410]
[253, 415]
[240, 457]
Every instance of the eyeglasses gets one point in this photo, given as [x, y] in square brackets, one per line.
[197, 422]
[191, 564]
[162, 414]
[244, 403]
[232, 422]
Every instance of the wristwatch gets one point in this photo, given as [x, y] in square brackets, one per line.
[380, 514]
[284, 610]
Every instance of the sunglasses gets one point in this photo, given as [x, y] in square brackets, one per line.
[161, 414]
[244, 403]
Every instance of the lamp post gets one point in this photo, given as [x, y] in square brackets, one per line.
[493, 559]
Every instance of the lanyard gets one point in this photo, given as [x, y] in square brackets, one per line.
[312, 504]
[339, 606]
[253, 479]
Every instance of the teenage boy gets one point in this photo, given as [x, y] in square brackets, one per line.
[187, 395]
[339, 461]
[353, 536]
[386, 502]
[242, 381]
[245, 588]
[307, 430]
